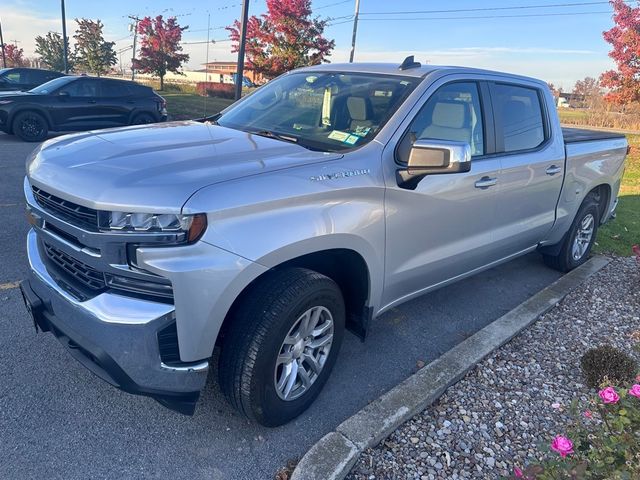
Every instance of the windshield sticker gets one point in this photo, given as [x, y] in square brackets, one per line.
[338, 135]
[351, 139]
[362, 131]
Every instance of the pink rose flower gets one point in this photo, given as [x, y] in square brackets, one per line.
[518, 473]
[588, 414]
[609, 395]
[635, 391]
[562, 445]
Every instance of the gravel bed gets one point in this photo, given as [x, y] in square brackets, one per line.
[518, 398]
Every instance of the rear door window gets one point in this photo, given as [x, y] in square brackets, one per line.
[114, 89]
[519, 118]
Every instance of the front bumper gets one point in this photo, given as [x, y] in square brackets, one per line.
[113, 336]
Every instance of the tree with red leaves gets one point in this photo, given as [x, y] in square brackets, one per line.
[160, 47]
[284, 38]
[624, 83]
[14, 55]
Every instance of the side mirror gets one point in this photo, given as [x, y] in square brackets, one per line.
[434, 157]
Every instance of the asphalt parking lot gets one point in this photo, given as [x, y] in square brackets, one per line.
[59, 421]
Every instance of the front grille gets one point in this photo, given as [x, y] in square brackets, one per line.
[88, 276]
[71, 212]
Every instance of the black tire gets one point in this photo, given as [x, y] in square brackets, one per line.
[142, 119]
[30, 127]
[564, 260]
[257, 329]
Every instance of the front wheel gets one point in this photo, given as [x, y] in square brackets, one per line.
[579, 240]
[281, 345]
[30, 127]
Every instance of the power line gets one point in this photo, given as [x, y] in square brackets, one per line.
[483, 16]
[204, 41]
[332, 4]
[485, 9]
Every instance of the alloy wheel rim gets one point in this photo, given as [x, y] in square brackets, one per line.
[583, 237]
[303, 353]
[31, 127]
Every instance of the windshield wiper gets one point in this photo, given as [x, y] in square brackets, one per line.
[277, 136]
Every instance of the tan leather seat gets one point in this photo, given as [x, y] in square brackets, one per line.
[449, 121]
[360, 112]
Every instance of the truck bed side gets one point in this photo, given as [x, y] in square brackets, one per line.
[592, 159]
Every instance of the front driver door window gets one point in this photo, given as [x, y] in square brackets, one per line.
[444, 227]
[452, 113]
[77, 107]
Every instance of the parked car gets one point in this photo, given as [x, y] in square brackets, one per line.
[25, 78]
[78, 103]
[327, 197]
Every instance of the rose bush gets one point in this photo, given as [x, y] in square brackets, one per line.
[603, 440]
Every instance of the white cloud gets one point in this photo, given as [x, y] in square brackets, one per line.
[24, 26]
[560, 66]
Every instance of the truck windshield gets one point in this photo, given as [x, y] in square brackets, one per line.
[321, 111]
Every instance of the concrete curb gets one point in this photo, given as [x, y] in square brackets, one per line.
[334, 454]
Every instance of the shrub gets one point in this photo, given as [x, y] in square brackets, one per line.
[602, 442]
[607, 364]
[220, 90]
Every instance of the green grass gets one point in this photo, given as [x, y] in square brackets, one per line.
[568, 115]
[184, 106]
[618, 235]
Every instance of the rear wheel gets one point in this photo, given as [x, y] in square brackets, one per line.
[30, 127]
[143, 119]
[282, 343]
[580, 238]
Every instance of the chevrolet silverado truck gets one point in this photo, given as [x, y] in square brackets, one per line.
[325, 198]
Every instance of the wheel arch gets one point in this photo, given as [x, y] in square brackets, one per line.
[602, 194]
[346, 267]
[34, 109]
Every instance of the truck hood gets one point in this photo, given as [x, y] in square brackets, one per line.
[156, 168]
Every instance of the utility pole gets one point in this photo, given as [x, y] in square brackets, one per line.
[135, 38]
[206, 64]
[4, 60]
[243, 41]
[355, 31]
[64, 38]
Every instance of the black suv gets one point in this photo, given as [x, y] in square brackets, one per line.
[25, 78]
[78, 103]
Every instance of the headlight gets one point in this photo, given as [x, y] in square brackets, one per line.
[192, 225]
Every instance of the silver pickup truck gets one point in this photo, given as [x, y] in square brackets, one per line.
[322, 200]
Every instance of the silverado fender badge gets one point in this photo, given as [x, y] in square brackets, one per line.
[333, 176]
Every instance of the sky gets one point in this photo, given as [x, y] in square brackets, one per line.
[559, 44]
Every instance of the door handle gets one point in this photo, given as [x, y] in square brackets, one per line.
[486, 182]
[553, 169]
[91, 101]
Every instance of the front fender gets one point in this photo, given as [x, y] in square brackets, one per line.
[273, 218]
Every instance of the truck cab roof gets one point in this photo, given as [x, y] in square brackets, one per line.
[418, 71]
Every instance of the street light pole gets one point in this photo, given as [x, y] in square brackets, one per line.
[64, 38]
[243, 41]
[135, 38]
[355, 31]
[4, 60]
